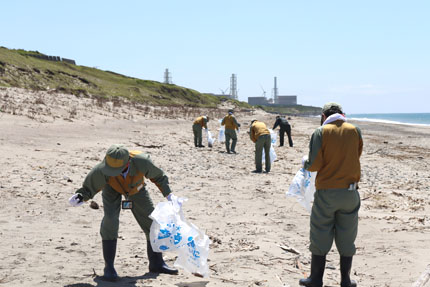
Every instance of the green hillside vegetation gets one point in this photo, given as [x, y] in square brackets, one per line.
[19, 68]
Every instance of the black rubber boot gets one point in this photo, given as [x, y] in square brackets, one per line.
[157, 264]
[317, 272]
[233, 146]
[345, 270]
[109, 251]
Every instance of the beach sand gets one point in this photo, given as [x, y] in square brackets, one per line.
[49, 142]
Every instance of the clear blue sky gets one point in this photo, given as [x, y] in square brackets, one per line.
[371, 55]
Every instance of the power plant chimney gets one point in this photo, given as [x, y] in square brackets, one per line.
[233, 87]
[275, 93]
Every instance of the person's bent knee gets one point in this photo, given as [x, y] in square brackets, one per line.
[318, 250]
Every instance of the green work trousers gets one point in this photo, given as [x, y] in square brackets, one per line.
[230, 134]
[142, 208]
[197, 130]
[263, 141]
[334, 216]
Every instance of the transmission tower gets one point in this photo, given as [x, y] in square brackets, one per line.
[167, 77]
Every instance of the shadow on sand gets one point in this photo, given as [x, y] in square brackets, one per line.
[127, 281]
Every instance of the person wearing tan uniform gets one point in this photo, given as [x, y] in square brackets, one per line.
[231, 125]
[122, 173]
[198, 125]
[334, 153]
[260, 135]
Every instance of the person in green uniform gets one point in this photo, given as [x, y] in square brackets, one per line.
[231, 125]
[122, 174]
[334, 153]
[198, 125]
[260, 135]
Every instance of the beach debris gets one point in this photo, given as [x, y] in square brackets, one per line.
[282, 283]
[148, 146]
[214, 239]
[298, 265]
[3, 280]
[94, 205]
[289, 249]
[423, 279]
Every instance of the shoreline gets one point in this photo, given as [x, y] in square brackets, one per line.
[382, 121]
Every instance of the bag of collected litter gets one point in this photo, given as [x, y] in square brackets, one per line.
[170, 231]
[273, 136]
[211, 140]
[303, 188]
[272, 154]
[193, 256]
[221, 134]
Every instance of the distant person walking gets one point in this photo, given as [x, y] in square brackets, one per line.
[231, 125]
[199, 124]
[335, 151]
[260, 135]
[122, 173]
[284, 127]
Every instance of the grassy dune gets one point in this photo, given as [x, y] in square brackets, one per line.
[18, 68]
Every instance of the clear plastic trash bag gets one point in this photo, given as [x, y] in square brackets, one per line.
[272, 153]
[273, 136]
[221, 134]
[193, 256]
[211, 140]
[303, 188]
[170, 231]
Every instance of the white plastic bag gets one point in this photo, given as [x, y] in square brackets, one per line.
[221, 134]
[303, 188]
[273, 136]
[165, 233]
[170, 231]
[211, 140]
[193, 256]
[272, 154]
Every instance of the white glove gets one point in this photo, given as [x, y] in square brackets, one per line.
[76, 200]
[304, 159]
[177, 201]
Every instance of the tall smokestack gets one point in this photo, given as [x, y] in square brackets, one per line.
[275, 93]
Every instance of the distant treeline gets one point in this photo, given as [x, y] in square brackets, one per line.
[53, 58]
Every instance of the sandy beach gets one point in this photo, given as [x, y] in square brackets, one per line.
[50, 141]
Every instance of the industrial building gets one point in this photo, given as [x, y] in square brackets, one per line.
[290, 100]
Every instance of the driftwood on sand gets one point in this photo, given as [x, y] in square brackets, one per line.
[424, 278]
